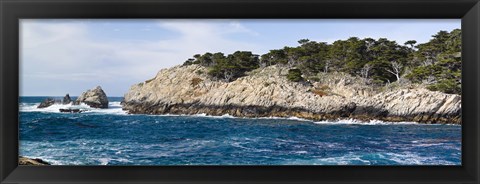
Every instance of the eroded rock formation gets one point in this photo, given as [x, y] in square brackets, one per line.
[95, 98]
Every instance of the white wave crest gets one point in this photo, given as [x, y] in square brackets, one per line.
[403, 158]
[113, 108]
[199, 115]
[359, 122]
[286, 118]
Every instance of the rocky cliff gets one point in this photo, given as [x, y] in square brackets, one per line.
[266, 92]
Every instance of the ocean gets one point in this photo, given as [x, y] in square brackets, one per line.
[113, 137]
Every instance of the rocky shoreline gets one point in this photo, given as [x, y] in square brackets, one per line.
[366, 114]
[266, 92]
[31, 161]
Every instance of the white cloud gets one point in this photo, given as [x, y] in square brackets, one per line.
[66, 54]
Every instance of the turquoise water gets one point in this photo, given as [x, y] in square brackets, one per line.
[112, 137]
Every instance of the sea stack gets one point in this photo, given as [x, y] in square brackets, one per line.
[95, 98]
[266, 92]
[67, 99]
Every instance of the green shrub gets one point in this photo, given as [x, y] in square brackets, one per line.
[294, 75]
[446, 86]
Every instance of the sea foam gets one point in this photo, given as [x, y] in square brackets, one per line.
[113, 108]
[359, 122]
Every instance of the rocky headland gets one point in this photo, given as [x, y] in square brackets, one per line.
[266, 92]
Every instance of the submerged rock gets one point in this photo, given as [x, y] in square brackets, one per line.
[46, 103]
[266, 92]
[72, 110]
[95, 98]
[31, 161]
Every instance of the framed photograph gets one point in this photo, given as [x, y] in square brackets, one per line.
[239, 91]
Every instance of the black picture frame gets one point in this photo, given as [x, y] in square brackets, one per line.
[13, 10]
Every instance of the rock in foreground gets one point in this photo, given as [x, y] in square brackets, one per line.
[266, 92]
[30, 161]
[95, 98]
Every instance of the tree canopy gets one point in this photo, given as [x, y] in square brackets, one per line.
[436, 63]
[227, 68]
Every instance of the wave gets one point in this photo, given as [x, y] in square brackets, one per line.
[205, 115]
[327, 122]
[374, 122]
[359, 122]
[403, 158]
[113, 108]
[286, 118]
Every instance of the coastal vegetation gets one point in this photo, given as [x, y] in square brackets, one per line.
[435, 64]
[295, 75]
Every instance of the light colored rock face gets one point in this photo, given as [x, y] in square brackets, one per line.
[95, 98]
[414, 101]
[267, 87]
[420, 105]
[267, 92]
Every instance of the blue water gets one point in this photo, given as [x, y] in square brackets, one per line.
[112, 137]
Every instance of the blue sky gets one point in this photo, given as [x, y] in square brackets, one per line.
[71, 56]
